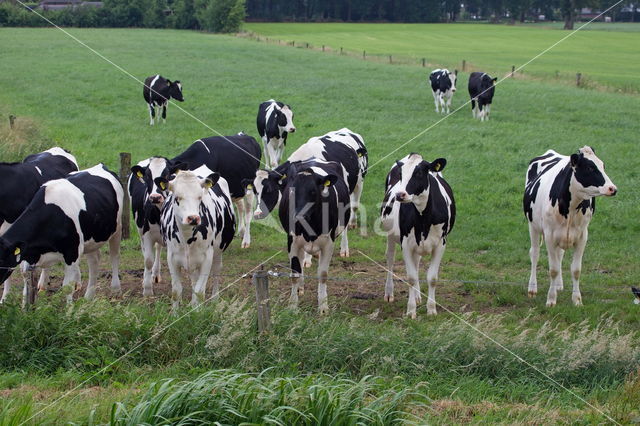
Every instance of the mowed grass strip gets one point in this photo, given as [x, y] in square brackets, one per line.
[605, 58]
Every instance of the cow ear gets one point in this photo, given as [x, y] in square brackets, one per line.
[575, 158]
[455, 72]
[328, 180]
[438, 165]
[495, 79]
[211, 180]
[168, 82]
[361, 152]
[175, 167]
[138, 172]
[161, 183]
[247, 184]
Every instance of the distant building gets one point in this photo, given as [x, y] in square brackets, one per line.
[63, 4]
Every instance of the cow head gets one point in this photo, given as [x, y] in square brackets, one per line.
[158, 167]
[267, 186]
[285, 119]
[414, 183]
[10, 255]
[175, 90]
[187, 190]
[453, 77]
[589, 178]
[307, 190]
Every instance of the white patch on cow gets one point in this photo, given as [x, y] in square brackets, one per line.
[153, 82]
[38, 169]
[56, 150]
[68, 197]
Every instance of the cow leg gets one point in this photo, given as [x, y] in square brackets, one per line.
[555, 272]
[344, 244]
[308, 259]
[576, 269]
[487, 111]
[432, 277]
[326, 252]
[442, 103]
[164, 112]
[355, 203]
[157, 264]
[147, 253]
[114, 256]
[473, 108]
[200, 275]
[248, 204]
[435, 101]
[43, 281]
[175, 259]
[412, 261]
[481, 111]
[241, 213]
[6, 290]
[296, 252]
[93, 261]
[152, 113]
[449, 98]
[534, 254]
[267, 163]
[216, 271]
[71, 281]
[391, 252]
[279, 153]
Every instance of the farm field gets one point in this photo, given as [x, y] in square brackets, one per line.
[605, 58]
[440, 368]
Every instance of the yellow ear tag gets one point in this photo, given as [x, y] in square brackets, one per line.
[327, 182]
[359, 154]
[249, 186]
[283, 178]
[16, 251]
[139, 174]
[163, 186]
[208, 184]
[438, 167]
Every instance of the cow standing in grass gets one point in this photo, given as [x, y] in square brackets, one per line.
[481, 90]
[65, 219]
[274, 122]
[559, 202]
[21, 181]
[443, 86]
[418, 212]
[197, 225]
[157, 92]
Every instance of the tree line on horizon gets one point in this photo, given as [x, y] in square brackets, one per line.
[228, 15]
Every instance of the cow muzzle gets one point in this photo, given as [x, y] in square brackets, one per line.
[291, 130]
[193, 220]
[259, 214]
[611, 190]
[402, 197]
[156, 198]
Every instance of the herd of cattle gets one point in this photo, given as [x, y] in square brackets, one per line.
[53, 212]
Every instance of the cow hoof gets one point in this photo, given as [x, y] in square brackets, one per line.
[532, 293]
[418, 298]
[306, 263]
[388, 298]
[300, 291]
[551, 304]
[411, 315]
[577, 300]
[431, 313]
[560, 287]
[157, 279]
[352, 225]
[344, 253]
[245, 245]
[323, 310]
[148, 293]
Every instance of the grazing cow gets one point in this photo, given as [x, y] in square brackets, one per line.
[559, 201]
[636, 293]
[443, 85]
[342, 146]
[197, 225]
[418, 212]
[146, 202]
[481, 89]
[157, 91]
[275, 122]
[314, 211]
[20, 183]
[65, 219]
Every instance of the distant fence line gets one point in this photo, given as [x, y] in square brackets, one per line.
[578, 78]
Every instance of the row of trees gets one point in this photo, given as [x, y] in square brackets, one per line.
[209, 15]
[419, 10]
[228, 15]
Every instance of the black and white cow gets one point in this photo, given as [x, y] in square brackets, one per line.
[342, 146]
[559, 201]
[275, 122]
[197, 224]
[481, 89]
[65, 219]
[443, 86]
[20, 183]
[313, 212]
[418, 212]
[157, 91]
[636, 293]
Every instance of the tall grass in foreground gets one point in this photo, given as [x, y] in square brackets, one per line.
[231, 398]
[444, 352]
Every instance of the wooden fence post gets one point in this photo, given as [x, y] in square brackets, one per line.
[293, 43]
[424, 61]
[323, 47]
[513, 70]
[390, 60]
[364, 55]
[12, 121]
[125, 169]
[341, 50]
[464, 65]
[307, 45]
[578, 78]
[261, 283]
[32, 288]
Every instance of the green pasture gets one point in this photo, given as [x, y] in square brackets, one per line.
[64, 94]
[605, 58]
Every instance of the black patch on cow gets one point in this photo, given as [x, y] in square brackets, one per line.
[440, 81]
[587, 173]
[295, 265]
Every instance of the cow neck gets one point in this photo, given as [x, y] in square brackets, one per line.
[420, 205]
[30, 234]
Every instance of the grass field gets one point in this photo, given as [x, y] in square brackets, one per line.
[64, 94]
[604, 58]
